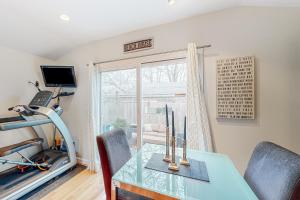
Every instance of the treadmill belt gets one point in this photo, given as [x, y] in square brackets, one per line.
[13, 177]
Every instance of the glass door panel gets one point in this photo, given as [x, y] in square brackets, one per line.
[163, 83]
[118, 103]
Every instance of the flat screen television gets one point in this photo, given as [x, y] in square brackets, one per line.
[59, 76]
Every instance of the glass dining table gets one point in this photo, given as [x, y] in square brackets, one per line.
[225, 181]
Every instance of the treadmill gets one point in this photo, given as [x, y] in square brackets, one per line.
[29, 173]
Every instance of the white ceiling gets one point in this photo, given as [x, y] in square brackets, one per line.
[34, 25]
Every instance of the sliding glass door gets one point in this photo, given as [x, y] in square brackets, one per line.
[134, 98]
[118, 103]
[163, 83]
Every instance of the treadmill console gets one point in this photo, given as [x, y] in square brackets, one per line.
[42, 98]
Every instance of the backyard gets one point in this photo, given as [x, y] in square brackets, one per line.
[161, 85]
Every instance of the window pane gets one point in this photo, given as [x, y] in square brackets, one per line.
[118, 102]
[163, 83]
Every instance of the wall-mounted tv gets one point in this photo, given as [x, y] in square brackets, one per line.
[59, 76]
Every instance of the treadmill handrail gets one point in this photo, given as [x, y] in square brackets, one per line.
[22, 124]
[11, 119]
[7, 150]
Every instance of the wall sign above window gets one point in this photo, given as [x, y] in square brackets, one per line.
[138, 45]
[235, 88]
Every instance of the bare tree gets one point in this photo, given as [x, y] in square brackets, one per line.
[119, 81]
[175, 72]
[124, 82]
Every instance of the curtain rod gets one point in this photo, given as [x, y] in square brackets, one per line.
[108, 61]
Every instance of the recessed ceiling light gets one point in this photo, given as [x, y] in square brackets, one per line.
[171, 2]
[64, 17]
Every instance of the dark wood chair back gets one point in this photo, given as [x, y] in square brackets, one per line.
[114, 153]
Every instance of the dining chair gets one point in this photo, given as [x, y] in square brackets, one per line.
[273, 172]
[114, 153]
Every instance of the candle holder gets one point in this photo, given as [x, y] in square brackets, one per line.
[173, 165]
[184, 160]
[167, 157]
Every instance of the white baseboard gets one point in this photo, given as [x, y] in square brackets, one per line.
[85, 162]
[82, 161]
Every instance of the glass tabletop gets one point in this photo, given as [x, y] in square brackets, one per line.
[225, 181]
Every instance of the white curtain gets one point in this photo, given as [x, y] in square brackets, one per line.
[94, 116]
[198, 130]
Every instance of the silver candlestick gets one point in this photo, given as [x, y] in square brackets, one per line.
[184, 160]
[173, 166]
[167, 157]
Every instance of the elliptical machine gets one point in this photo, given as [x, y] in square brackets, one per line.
[31, 172]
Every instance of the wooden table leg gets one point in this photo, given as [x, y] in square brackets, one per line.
[143, 192]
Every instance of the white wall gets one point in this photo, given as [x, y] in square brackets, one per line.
[16, 69]
[272, 35]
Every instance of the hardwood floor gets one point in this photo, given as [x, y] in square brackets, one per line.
[85, 185]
